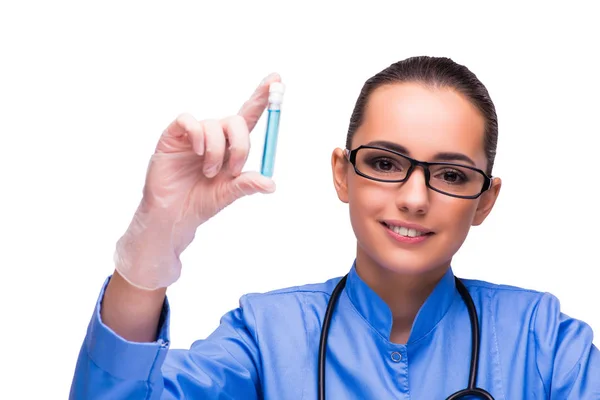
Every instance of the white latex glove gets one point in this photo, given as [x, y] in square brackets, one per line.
[194, 173]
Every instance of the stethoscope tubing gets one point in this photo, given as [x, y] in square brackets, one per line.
[471, 390]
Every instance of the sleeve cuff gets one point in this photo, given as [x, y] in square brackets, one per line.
[121, 358]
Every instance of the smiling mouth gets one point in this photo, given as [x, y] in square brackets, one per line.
[406, 232]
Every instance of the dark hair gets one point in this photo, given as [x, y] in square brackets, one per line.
[437, 72]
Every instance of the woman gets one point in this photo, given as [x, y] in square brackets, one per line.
[416, 174]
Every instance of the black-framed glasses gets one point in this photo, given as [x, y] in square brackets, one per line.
[451, 179]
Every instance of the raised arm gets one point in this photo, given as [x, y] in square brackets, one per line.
[195, 172]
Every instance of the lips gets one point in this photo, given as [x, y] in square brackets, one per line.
[407, 229]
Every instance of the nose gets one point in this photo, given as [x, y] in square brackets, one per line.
[413, 194]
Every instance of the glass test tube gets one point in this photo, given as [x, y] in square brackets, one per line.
[276, 91]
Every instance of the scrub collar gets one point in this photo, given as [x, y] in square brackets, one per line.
[377, 313]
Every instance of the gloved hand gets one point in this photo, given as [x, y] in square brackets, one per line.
[194, 173]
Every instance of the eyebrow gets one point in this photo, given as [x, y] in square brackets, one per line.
[443, 156]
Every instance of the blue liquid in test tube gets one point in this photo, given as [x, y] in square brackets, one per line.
[276, 91]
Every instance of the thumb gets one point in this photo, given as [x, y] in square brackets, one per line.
[246, 184]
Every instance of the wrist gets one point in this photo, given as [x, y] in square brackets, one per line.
[134, 292]
[131, 312]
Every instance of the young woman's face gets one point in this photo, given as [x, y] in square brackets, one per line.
[426, 122]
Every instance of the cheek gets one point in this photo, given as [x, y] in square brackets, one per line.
[366, 203]
[455, 217]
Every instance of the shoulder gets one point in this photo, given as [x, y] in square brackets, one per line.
[498, 287]
[289, 298]
[506, 293]
[540, 310]
[512, 308]
[561, 347]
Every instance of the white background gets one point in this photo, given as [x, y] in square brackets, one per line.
[87, 88]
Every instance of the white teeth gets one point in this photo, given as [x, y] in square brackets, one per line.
[400, 230]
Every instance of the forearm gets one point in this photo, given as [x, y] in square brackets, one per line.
[130, 312]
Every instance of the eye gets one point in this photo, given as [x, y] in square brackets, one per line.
[384, 164]
[452, 176]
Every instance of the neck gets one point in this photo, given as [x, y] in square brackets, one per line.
[403, 293]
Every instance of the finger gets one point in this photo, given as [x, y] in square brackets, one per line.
[236, 132]
[214, 147]
[194, 131]
[253, 108]
[183, 125]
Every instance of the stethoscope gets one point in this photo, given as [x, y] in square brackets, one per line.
[471, 390]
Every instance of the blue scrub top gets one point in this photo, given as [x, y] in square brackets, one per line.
[267, 349]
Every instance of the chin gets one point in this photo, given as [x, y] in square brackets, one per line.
[402, 259]
[409, 264]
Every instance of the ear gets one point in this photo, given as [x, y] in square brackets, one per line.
[339, 167]
[486, 202]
